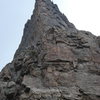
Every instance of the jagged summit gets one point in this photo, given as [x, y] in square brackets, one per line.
[46, 15]
[54, 61]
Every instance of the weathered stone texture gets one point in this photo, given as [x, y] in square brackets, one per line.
[54, 61]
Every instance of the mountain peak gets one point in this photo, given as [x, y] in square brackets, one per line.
[46, 15]
[54, 61]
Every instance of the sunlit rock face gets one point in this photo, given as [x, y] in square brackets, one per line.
[54, 61]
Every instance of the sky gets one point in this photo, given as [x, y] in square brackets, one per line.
[84, 14]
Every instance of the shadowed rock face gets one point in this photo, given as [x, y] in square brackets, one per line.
[54, 61]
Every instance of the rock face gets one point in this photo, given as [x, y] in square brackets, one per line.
[55, 61]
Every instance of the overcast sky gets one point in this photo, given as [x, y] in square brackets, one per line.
[84, 14]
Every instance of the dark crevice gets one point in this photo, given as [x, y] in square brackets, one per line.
[58, 60]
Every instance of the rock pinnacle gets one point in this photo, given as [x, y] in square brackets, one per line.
[54, 61]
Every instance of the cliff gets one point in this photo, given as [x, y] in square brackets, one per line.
[54, 61]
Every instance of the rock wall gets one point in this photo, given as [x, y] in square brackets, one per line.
[55, 61]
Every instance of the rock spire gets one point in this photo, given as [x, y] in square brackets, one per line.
[54, 61]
